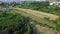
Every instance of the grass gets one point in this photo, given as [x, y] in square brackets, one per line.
[32, 16]
[13, 23]
[38, 6]
[43, 22]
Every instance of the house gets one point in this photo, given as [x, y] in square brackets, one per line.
[53, 2]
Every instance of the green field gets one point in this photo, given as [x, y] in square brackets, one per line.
[13, 23]
[53, 24]
[17, 21]
[41, 6]
[44, 7]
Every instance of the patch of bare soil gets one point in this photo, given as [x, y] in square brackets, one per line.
[40, 14]
[44, 30]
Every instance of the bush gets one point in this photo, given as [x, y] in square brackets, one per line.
[13, 23]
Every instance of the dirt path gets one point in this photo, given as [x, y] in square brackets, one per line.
[40, 14]
[44, 30]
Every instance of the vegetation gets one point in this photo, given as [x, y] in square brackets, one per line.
[13, 23]
[41, 6]
[44, 6]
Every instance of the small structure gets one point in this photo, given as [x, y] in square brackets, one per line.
[54, 3]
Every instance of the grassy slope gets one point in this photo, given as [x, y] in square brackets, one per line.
[39, 20]
[49, 9]
[45, 20]
[37, 23]
[12, 22]
[38, 6]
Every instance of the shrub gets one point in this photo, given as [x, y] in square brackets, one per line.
[14, 24]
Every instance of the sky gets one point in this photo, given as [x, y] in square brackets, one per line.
[20, 0]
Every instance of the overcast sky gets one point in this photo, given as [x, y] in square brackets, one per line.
[20, 0]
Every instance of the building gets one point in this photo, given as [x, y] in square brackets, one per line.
[53, 2]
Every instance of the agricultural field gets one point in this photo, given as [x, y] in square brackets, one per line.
[40, 19]
[31, 18]
[41, 6]
[42, 13]
[13, 23]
